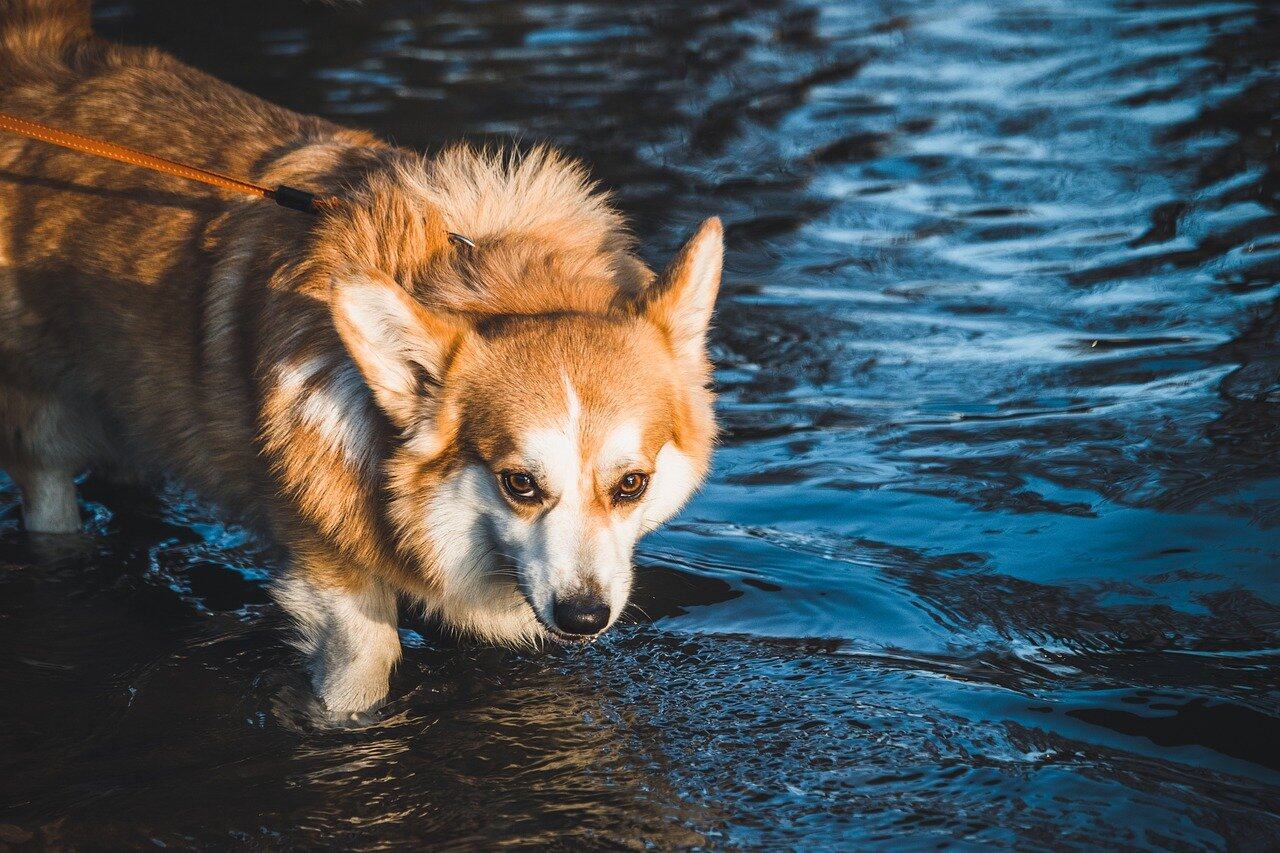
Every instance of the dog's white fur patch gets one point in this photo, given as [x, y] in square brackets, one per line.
[573, 406]
[552, 454]
[293, 377]
[620, 449]
[384, 327]
[477, 596]
[338, 408]
[674, 479]
[340, 411]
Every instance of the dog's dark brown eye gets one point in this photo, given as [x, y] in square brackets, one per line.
[631, 486]
[521, 486]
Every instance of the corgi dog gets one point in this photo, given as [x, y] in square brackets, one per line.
[482, 431]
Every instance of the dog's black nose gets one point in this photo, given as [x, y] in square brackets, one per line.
[583, 615]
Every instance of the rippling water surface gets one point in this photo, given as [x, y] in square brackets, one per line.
[990, 550]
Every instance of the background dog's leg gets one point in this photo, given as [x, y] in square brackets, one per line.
[48, 500]
[350, 639]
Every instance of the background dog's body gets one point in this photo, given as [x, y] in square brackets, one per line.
[322, 377]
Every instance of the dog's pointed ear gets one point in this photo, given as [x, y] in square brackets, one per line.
[682, 299]
[402, 349]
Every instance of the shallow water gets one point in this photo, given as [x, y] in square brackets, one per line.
[989, 552]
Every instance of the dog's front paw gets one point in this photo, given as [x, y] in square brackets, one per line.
[351, 719]
[353, 699]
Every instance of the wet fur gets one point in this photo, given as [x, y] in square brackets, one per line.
[156, 327]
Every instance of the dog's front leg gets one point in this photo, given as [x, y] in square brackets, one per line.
[349, 638]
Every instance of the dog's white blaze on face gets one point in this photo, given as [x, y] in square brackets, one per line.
[546, 547]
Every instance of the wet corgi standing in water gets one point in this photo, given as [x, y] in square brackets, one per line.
[482, 431]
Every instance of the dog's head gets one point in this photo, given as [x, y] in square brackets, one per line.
[537, 448]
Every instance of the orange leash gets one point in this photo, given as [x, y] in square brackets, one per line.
[290, 197]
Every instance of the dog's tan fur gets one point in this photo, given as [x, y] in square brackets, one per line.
[351, 384]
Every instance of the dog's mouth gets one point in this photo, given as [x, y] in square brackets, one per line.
[561, 638]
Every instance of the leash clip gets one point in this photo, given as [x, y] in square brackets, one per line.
[295, 199]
